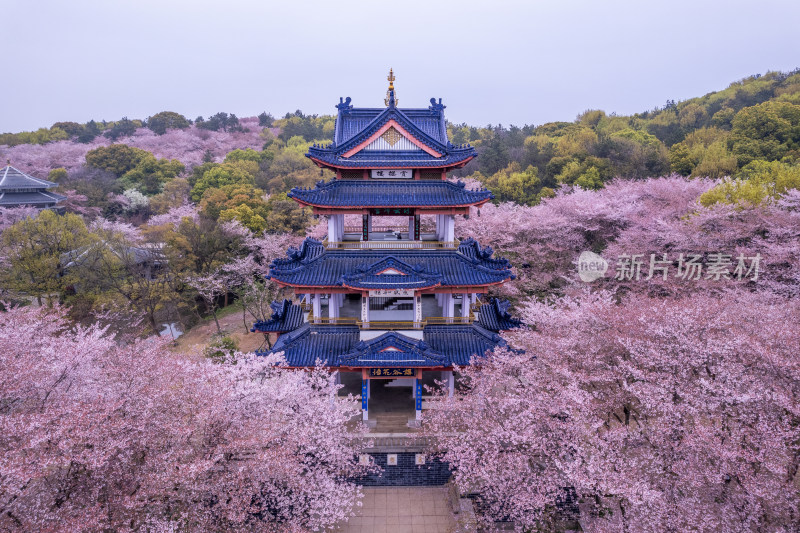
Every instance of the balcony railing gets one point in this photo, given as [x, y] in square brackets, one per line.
[339, 321]
[375, 229]
[390, 324]
[437, 320]
[390, 245]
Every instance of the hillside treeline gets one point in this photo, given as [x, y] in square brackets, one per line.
[747, 135]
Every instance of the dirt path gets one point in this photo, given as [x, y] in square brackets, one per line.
[196, 339]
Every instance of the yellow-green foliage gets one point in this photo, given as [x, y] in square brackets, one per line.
[57, 175]
[757, 183]
[512, 184]
[716, 162]
[767, 131]
[116, 158]
[40, 136]
[150, 174]
[35, 249]
[234, 173]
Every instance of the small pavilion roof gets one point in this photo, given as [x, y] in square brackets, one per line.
[34, 198]
[440, 347]
[420, 139]
[313, 266]
[495, 316]
[18, 188]
[286, 316]
[13, 178]
[390, 193]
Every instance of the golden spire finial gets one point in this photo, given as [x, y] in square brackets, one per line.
[390, 97]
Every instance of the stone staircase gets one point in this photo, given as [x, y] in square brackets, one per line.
[392, 423]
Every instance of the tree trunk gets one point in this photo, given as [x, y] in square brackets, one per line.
[214, 314]
[152, 319]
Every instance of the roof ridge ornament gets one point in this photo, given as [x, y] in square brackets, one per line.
[436, 107]
[344, 105]
[391, 100]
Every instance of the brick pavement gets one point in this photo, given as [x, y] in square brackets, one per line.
[402, 510]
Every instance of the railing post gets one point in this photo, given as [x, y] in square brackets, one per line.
[418, 391]
[364, 395]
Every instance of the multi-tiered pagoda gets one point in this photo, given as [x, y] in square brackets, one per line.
[389, 301]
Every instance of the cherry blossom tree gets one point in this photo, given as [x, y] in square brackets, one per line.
[655, 216]
[98, 435]
[11, 215]
[76, 203]
[677, 414]
[187, 146]
[210, 288]
[175, 215]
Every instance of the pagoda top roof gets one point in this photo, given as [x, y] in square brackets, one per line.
[440, 347]
[351, 121]
[313, 266]
[286, 316]
[390, 193]
[13, 178]
[390, 137]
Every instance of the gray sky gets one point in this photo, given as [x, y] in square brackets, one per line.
[491, 60]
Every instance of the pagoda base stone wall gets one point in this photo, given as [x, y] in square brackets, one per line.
[405, 473]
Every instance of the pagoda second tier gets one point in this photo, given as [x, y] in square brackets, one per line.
[361, 196]
[313, 268]
[391, 138]
[340, 346]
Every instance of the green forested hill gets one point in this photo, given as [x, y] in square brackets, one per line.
[750, 130]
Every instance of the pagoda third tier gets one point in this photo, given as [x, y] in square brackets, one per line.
[364, 196]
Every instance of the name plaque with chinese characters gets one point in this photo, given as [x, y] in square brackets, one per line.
[392, 174]
[392, 373]
[392, 293]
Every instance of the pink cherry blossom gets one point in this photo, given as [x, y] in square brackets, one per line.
[675, 414]
[96, 435]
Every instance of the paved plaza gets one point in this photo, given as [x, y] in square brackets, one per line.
[402, 510]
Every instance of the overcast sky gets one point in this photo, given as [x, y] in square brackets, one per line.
[491, 61]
